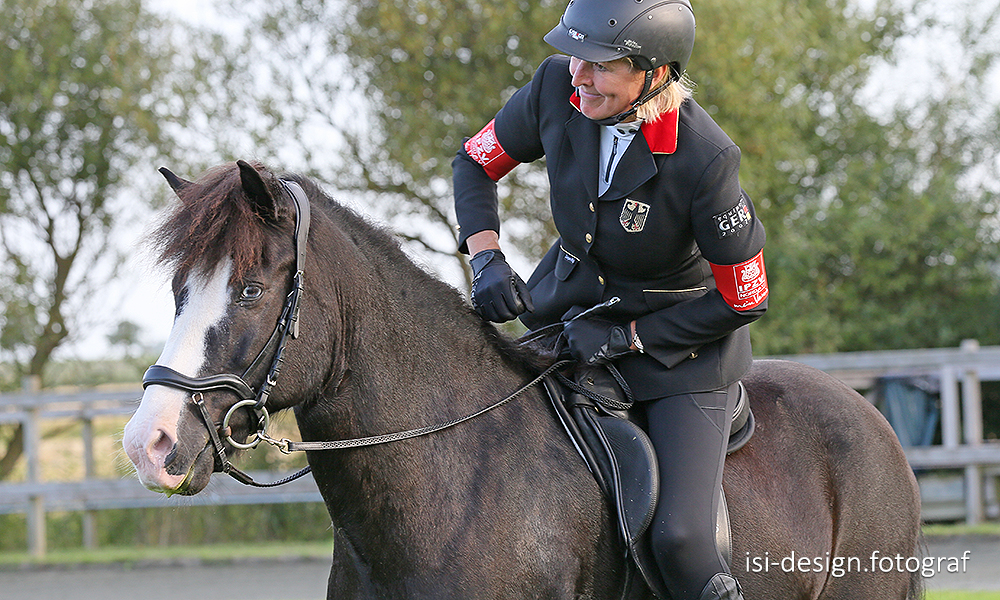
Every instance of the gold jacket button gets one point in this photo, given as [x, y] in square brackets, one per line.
[693, 356]
[589, 238]
[592, 207]
[600, 279]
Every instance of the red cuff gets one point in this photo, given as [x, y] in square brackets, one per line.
[485, 149]
[743, 286]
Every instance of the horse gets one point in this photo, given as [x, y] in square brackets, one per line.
[498, 506]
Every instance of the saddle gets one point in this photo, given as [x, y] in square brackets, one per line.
[611, 438]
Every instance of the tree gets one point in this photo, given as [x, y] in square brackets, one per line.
[78, 109]
[882, 223]
[402, 83]
[126, 335]
[85, 89]
[832, 177]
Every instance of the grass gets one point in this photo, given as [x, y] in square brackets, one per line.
[961, 595]
[289, 551]
[990, 528]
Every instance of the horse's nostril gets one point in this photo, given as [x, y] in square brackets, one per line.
[164, 446]
[171, 456]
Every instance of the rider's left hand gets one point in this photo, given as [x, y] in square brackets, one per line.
[597, 340]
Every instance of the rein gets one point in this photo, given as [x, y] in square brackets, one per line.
[287, 446]
[272, 354]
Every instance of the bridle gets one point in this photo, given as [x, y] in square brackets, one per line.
[271, 356]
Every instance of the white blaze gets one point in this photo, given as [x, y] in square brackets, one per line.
[151, 433]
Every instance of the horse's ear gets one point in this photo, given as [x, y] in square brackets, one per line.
[256, 190]
[176, 183]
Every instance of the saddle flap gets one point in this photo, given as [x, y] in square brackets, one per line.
[635, 481]
[621, 458]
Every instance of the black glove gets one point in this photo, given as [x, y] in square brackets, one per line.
[594, 341]
[498, 294]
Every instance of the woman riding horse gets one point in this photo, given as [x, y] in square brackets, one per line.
[646, 197]
[499, 506]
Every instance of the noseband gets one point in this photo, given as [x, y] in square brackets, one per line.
[270, 357]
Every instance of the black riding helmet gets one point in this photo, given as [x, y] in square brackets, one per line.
[652, 33]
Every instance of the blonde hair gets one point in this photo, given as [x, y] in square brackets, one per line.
[668, 100]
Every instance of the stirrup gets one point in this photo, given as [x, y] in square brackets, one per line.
[722, 586]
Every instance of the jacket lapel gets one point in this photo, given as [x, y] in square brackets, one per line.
[637, 165]
[585, 139]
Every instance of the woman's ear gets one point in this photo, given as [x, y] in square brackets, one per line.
[659, 73]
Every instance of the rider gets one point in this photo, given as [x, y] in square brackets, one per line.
[646, 197]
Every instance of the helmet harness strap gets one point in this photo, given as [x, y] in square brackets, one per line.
[644, 96]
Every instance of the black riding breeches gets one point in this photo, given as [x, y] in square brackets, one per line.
[690, 433]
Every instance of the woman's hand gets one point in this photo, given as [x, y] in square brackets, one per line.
[596, 340]
[498, 294]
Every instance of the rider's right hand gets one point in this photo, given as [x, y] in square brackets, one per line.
[498, 293]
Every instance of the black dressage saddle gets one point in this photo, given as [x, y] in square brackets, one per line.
[593, 408]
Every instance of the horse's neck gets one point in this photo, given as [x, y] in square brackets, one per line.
[415, 356]
[430, 361]
[412, 353]
[409, 371]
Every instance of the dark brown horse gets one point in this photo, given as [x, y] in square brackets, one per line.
[500, 506]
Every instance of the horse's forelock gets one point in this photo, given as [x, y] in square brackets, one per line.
[214, 221]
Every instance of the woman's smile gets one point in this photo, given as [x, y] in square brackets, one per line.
[605, 89]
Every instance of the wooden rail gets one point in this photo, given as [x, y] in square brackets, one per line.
[960, 371]
[34, 497]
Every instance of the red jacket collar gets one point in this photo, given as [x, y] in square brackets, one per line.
[661, 135]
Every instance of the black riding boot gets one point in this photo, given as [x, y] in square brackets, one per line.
[722, 586]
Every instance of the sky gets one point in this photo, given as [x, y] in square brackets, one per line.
[143, 295]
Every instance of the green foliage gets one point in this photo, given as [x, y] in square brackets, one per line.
[181, 525]
[90, 96]
[441, 70]
[882, 229]
[78, 109]
[402, 83]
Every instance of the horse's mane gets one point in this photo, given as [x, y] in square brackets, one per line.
[379, 242]
[214, 220]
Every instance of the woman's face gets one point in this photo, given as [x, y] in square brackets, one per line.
[605, 89]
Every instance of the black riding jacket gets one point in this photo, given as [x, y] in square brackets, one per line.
[675, 237]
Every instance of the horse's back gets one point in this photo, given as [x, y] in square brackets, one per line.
[821, 491]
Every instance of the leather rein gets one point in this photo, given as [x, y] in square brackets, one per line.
[271, 356]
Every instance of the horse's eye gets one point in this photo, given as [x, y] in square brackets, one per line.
[251, 292]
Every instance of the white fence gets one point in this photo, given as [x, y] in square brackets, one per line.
[960, 372]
